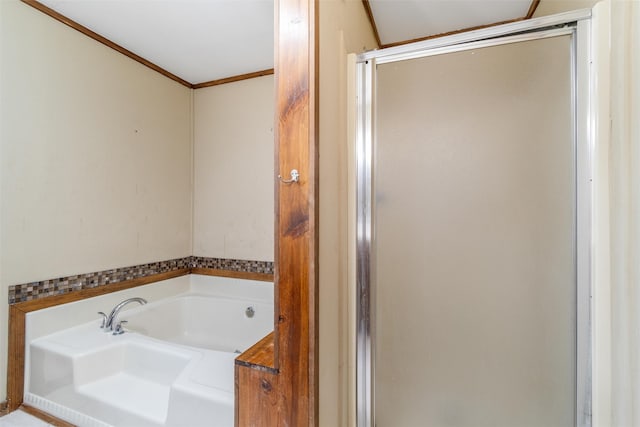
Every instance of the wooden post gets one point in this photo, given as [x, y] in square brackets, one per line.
[286, 394]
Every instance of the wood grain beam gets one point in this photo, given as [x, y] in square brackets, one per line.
[296, 213]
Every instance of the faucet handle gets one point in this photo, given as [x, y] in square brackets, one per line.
[104, 320]
[119, 330]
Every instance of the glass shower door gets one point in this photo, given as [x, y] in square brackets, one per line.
[473, 273]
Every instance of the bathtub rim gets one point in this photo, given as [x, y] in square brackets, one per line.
[92, 342]
[18, 312]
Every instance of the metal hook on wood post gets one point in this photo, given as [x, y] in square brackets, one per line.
[295, 177]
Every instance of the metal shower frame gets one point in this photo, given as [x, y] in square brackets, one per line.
[578, 24]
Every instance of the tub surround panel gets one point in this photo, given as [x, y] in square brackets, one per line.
[136, 275]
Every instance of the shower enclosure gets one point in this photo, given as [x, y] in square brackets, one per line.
[473, 230]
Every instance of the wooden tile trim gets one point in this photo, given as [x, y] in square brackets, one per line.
[64, 285]
[54, 421]
[97, 37]
[15, 364]
[263, 277]
[17, 315]
[234, 79]
[54, 300]
[259, 356]
[372, 21]
[4, 408]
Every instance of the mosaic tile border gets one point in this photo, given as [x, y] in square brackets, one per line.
[232, 264]
[63, 285]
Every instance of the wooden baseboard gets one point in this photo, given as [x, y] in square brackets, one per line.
[50, 419]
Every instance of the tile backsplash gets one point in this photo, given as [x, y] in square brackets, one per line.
[63, 285]
[232, 264]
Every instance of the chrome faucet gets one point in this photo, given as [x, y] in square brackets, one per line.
[109, 323]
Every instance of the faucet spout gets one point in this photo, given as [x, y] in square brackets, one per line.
[111, 319]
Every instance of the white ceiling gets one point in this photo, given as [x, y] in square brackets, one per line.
[401, 20]
[197, 40]
[205, 40]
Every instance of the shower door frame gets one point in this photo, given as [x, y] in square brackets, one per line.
[578, 24]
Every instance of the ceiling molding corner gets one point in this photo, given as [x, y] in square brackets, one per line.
[233, 79]
[372, 21]
[449, 33]
[97, 37]
[532, 9]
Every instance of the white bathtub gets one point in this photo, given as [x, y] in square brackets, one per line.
[204, 321]
[174, 366]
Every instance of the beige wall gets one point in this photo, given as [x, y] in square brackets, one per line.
[550, 7]
[95, 157]
[233, 198]
[344, 28]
